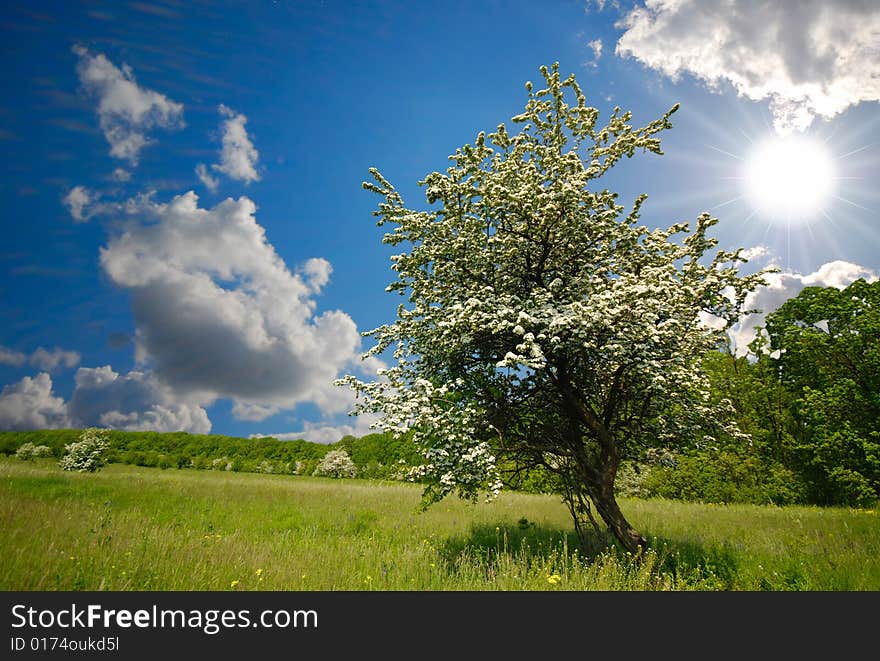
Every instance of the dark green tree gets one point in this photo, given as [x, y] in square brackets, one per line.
[824, 346]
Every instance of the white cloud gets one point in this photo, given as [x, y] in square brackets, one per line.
[211, 183]
[30, 404]
[76, 201]
[811, 58]
[756, 252]
[782, 286]
[136, 401]
[125, 109]
[219, 314]
[328, 433]
[238, 157]
[253, 411]
[838, 274]
[596, 47]
[317, 273]
[49, 360]
[600, 5]
[121, 175]
[41, 358]
[11, 357]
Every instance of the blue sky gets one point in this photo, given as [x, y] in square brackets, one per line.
[186, 241]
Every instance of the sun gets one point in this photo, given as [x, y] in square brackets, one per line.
[789, 179]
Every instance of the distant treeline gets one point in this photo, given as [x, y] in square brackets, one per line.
[375, 455]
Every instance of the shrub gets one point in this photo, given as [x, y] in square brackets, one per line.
[336, 463]
[271, 467]
[725, 476]
[29, 451]
[87, 454]
[851, 488]
[630, 481]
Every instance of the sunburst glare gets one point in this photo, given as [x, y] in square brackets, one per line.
[789, 179]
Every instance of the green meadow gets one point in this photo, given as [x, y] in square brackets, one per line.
[136, 528]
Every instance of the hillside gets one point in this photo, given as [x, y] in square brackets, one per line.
[375, 455]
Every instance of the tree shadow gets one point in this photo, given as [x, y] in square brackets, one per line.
[685, 562]
[525, 538]
[692, 562]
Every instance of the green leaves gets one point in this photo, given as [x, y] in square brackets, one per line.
[825, 346]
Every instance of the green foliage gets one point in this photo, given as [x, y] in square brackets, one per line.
[724, 476]
[824, 346]
[808, 400]
[374, 455]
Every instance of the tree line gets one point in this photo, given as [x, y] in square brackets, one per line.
[374, 455]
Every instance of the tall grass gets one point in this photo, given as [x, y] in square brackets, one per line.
[131, 528]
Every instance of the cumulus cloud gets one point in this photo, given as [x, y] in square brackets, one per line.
[136, 401]
[811, 58]
[50, 360]
[238, 156]
[219, 314]
[782, 286]
[31, 404]
[317, 272]
[756, 252]
[76, 201]
[125, 109]
[327, 431]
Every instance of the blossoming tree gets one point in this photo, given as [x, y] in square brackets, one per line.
[542, 324]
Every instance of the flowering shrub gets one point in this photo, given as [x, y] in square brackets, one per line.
[87, 454]
[221, 464]
[336, 463]
[29, 451]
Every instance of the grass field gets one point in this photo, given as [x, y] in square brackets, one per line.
[132, 528]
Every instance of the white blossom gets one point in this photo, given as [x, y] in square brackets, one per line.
[525, 274]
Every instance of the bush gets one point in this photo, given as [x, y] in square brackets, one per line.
[630, 480]
[336, 463]
[221, 464]
[29, 451]
[87, 454]
[725, 476]
[848, 487]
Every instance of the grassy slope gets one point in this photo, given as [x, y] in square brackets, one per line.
[131, 528]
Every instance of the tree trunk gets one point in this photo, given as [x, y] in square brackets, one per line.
[595, 477]
[629, 537]
[600, 492]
